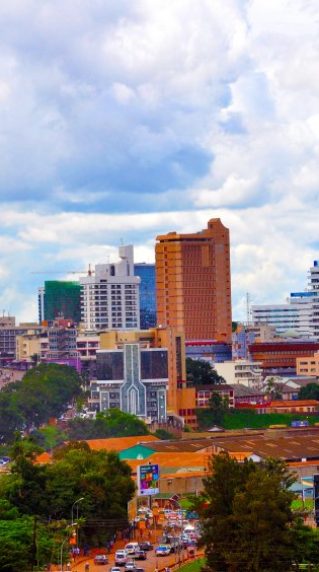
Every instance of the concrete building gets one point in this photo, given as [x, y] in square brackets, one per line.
[299, 315]
[8, 335]
[27, 346]
[87, 345]
[213, 352]
[110, 295]
[240, 371]
[308, 365]
[139, 372]
[193, 287]
[279, 358]
[247, 334]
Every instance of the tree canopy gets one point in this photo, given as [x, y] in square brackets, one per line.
[111, 423]
[248, 523]
[44, 392]
[46, 494]
[215, 413]
[310, 391]
[200, 372]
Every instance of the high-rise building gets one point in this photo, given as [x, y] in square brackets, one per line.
[193, 286]
[59, 298]
[146, 272]
[110, 295]
[299, 315]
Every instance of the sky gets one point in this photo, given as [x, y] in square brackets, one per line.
[123, 120]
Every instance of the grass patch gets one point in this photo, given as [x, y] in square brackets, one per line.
[193, 566]
[247, 418]
[297, 504]
[186, 503]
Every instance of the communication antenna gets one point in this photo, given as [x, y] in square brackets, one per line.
[248, 308]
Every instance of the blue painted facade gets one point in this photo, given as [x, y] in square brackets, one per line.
[146, 272]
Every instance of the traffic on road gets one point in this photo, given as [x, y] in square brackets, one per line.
[173, 540]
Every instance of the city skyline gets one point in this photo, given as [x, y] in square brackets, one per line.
[123, 122]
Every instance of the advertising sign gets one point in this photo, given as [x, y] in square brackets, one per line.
[148, 480]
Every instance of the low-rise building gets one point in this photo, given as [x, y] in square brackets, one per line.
[240, 371]
[138, 372]
[308, 365]
[280, 357]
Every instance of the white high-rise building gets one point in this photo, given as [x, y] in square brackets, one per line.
[110, 295]
[300, 314]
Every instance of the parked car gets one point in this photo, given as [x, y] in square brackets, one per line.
[146, 546]
[130, 565]
[140, 555]
[101, 559]
[115, 569]
[163, 550]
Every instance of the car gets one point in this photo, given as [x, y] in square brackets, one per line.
[101, 559]
[163, 550]
[115, 569]
[146, 546]
[139, 570]
[130, 565]
[131, 547]
[120, 558]
[140, 554]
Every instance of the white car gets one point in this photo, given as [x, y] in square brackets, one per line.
[120, 558]
[132, 547]
[130, 565]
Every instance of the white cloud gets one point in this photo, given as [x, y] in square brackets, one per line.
[113, 112]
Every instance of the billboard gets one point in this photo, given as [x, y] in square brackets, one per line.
[148, 480]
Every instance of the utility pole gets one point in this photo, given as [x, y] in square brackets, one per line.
[248, 308]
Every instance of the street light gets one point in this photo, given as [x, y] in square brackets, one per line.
[62, 546]
[75, 502]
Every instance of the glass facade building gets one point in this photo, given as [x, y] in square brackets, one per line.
[62, 299]
[133, 379]
[146, 272]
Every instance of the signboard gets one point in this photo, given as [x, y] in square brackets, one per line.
[300, 423]
[148, 480]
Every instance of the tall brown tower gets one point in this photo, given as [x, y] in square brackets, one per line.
[193, 286]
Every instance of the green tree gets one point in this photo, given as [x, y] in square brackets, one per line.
[200, 372]
[247, 520]
[101, 479]
[24, 542]
[111, 423]
[48, 437]
[48, 491]
[273, 389]
[45, 391]
[11, 418]
[310, 391]
[164, 434]
[215, 413]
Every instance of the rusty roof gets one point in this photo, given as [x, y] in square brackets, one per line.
[289, 446]
[120, 443]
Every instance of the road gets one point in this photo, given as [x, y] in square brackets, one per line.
[149, 565]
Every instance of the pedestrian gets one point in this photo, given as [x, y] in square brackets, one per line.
[87, 567]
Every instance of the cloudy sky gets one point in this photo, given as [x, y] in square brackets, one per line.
[123, 119]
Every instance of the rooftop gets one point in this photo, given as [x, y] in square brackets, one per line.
[120, 443]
